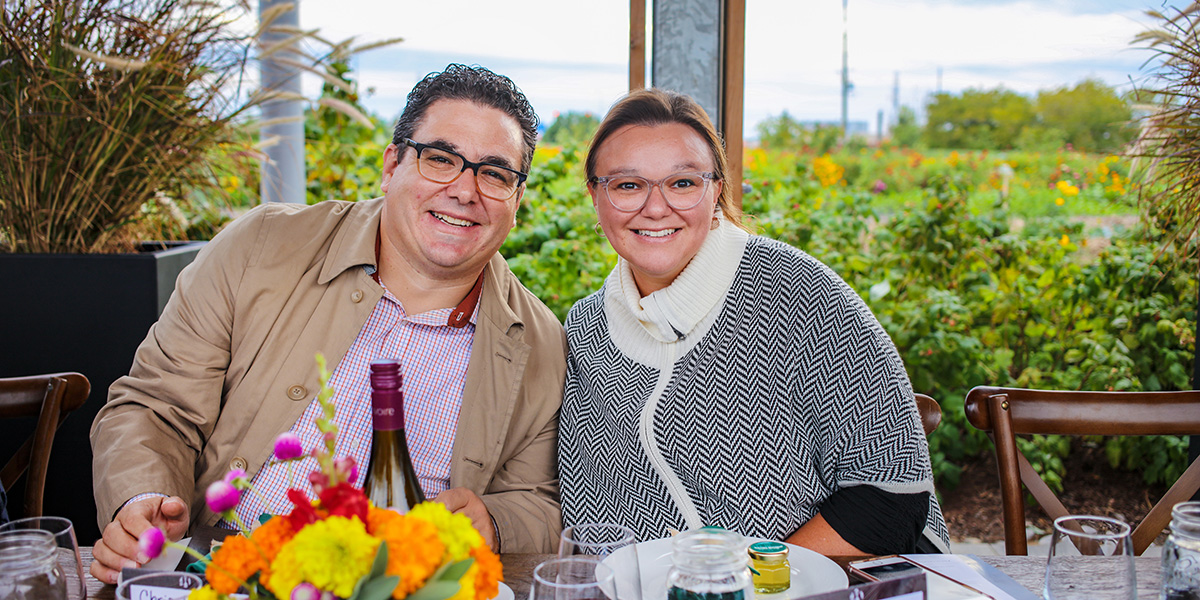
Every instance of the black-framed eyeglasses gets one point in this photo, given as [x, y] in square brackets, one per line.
[629, 193]
[445, 166]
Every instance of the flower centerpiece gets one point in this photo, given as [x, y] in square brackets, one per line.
[340, 545]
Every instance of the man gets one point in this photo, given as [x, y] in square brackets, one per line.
[413, 275]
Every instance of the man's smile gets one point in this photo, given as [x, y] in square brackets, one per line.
[451, 220]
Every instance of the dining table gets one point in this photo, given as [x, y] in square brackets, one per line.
[1029, 571]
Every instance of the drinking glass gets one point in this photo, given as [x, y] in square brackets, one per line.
[615, 545]
[68, 548]
[1181, 554]
[1091, 558]
[573, 578]
[170, 580]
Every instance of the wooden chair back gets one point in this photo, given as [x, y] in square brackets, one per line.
[931, 412]
[1006, 412]
[50, 398]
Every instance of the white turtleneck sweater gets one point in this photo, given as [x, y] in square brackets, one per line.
[744, 395]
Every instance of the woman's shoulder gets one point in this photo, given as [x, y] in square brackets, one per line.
[770, 259]
[586, 311]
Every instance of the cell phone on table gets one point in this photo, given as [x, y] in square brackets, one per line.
[937, 586]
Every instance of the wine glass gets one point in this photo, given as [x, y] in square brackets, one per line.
[573, 578]
[615, 545]
[68, 547]
[1091, 558]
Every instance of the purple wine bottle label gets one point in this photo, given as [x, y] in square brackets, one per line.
[387, 397]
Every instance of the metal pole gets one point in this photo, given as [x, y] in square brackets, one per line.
[283, 171]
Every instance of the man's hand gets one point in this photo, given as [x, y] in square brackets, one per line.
[464, 501]
[119, 546]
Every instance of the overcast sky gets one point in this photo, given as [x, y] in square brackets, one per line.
[568, 55]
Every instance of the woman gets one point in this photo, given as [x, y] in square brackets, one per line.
[720, 378]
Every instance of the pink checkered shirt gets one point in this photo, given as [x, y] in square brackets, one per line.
[433, 359]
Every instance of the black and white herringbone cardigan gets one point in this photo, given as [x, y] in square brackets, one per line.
[746, 415]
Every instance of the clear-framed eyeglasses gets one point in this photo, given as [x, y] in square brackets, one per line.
[445, 166]
[629, 193]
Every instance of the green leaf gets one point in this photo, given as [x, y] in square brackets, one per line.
[436, 590]
[1046, 279]
[455, 571]
[444, 582]
[376, 585]
[376, 588]
[880, 290]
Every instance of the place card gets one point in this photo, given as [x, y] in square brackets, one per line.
[152, 592]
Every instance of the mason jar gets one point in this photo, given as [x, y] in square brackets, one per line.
[29, 566]
[1181, 555]
[709, 564]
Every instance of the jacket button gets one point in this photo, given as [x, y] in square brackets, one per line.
[356, 296]
[297, 392]
[238, 463]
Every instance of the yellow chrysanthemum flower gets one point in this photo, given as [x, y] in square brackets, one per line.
[1064, 241]
[204, 593]
[332, 554]
[455, 531]
[1066, 189]
[1059, 201]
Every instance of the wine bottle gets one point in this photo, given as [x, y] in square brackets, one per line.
[391, 480]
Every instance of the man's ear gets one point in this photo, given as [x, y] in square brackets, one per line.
[391, 160]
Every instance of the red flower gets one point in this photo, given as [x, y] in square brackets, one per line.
[345, 500]
[304, 513]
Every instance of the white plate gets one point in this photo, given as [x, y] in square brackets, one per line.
[812, 573]
[504, 592]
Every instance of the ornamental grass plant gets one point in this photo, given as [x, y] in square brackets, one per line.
[1169, 143]
[111, 106]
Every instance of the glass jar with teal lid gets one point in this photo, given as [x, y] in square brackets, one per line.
[769, 563]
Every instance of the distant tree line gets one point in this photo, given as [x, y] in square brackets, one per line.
[1090, 116]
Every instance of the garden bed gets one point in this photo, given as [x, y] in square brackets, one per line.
[973, 510]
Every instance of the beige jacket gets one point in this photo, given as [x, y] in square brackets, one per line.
[229, 366]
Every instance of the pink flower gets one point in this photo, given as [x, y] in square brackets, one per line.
[880, 186]
[347, 466]
[287, 446]
[151, 542]
[237, 478]
[306, 591]
[221, 496]
[319, 481]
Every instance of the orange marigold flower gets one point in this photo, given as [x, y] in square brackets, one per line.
[272, 535]
[233, 563]
[490, 572]
[414, 550]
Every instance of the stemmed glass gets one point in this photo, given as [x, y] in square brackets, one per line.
[615, 545]
[1099, 547]
[68, 547]
[573, 578]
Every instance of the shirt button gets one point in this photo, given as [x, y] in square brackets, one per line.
[297, 392]
[238, 463]
[356, 296]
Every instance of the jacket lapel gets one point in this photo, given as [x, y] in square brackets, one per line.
[494, 376]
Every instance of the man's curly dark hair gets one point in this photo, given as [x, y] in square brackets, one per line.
[474, 83]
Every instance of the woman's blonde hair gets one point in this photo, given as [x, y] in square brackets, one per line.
[650, 107]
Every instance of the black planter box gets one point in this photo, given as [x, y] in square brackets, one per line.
[85, 313]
